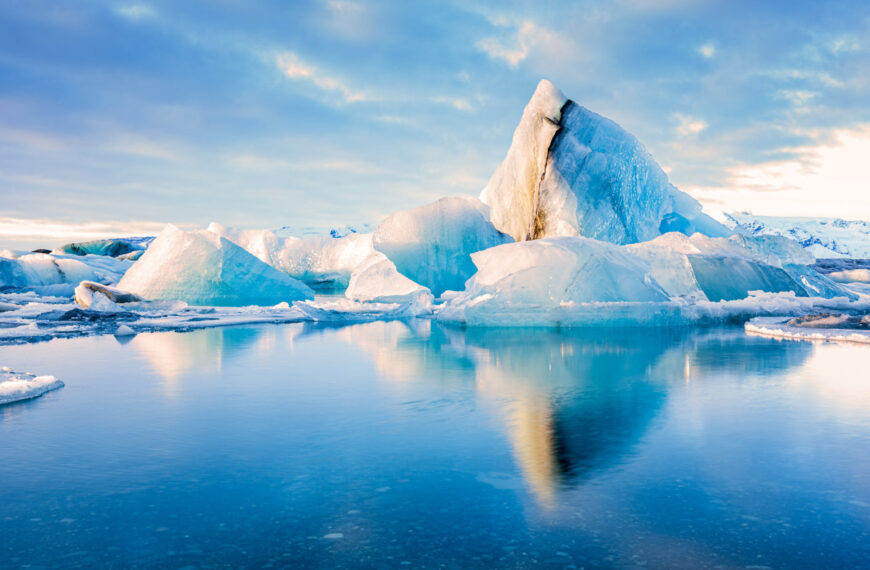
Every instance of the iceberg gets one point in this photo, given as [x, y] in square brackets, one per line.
[377, 280]
[432, 245]
[572, 172]
[322, 262]
[16, 386]
[106, 247]
[517, 283]
[203, 268]
[727, 269]
[31, 270]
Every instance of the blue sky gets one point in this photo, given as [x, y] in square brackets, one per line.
[119, 116]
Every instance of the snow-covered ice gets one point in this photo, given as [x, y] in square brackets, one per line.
[570, 171]
[17, 386]
[203, 268]
[432, 245]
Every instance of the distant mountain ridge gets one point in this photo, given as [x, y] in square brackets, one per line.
[824, 237]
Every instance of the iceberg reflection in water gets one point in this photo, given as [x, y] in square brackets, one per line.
[381, 443]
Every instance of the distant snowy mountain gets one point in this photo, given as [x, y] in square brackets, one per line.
[823, 237]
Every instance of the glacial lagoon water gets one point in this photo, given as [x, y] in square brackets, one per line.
[410, 445]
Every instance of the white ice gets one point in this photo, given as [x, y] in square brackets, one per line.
[16, 386]
[432, 245]
[320, 261]
[570, 171]
[777, 327]
[202, 268]
[377, 280]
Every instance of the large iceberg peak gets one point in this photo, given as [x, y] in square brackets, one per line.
[513, 192]
[570, 171]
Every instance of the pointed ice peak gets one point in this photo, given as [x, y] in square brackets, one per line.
[546, 102]
[513, 191]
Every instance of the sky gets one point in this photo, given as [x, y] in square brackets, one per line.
[118, 117]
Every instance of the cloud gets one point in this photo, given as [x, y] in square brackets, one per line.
[828, 179]
[456, 102]
[294, 68]
[32, 139]
[525, 38]
[54, 231]
[263, 163]
[707, 51]
[136, 11]
[689, 126]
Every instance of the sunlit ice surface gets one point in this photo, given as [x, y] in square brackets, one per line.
[416, 445]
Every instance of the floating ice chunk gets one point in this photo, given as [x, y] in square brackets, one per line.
[202, 268]
[570, 172]
[85, 292]
[347, 311]
[552, 272]
[324, 262]
[105, 247]
[40, 269]
[124, 330]
[432, 244]
[779, 327]
[16, 386]
[719, 269]
[377, 280]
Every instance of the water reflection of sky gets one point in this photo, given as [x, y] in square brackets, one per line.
[668, 448]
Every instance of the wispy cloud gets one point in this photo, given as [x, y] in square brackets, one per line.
[265, 163]
[707, 50]
[523, 37]
[18, 230]
[688, 126]
[136, 11]
[817, 181]
[457, 103]
[296, 69]
[35, 140]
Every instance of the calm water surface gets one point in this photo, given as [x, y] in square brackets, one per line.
[397, 445]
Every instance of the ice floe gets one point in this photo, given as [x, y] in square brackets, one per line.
[17, 386]
[826, 328]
